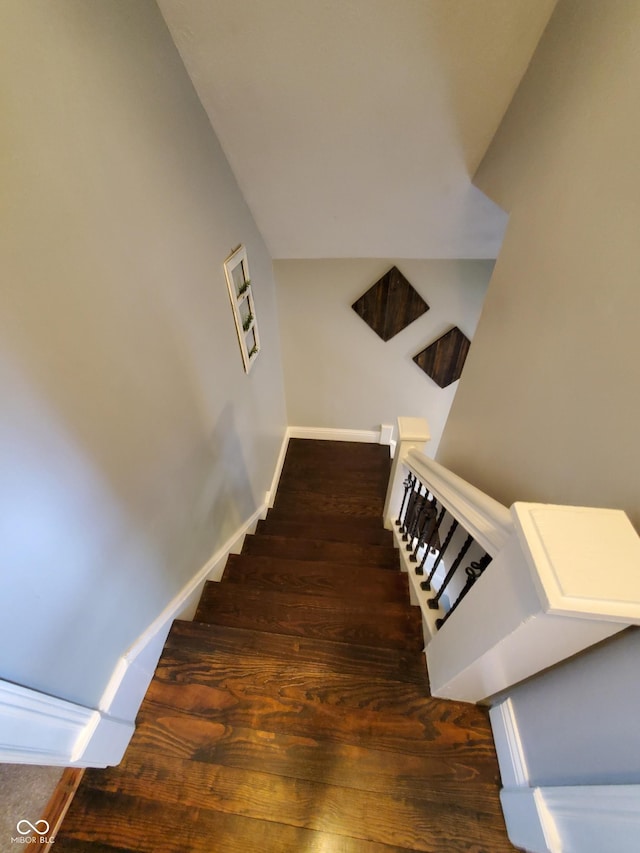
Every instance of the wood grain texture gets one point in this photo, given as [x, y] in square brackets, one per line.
[296, 714]
[390, 305]
[362, 622]
[444, 359]
[315, 577]
[346, 553]
[326, 531]
[59, 804]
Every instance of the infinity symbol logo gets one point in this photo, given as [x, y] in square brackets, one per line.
[32, 827]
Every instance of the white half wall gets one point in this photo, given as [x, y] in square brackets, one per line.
[338, 372]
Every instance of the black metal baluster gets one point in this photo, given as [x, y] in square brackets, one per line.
[428, 514]
[473, 572]
[418, 508]
[410, 512]
[426, 585]
[433, 602]
[432, 536]
[407, 487]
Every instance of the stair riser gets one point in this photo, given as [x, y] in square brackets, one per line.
[325, 532]
[365, 556]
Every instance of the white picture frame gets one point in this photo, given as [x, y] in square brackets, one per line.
[236, 270]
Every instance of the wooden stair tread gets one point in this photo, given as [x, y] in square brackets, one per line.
[374, 556]
[305, 500]
[310, 708]
[181, 664]
[390, 625]
[316, 577]
[442, 767]
[327, 532]
[319, 655]
[338, 451]
[353, 605]
[360, 485]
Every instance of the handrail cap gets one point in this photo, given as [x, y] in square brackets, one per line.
[585, 561]
[413, 429]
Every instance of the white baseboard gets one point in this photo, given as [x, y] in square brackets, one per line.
[506, 734]
[271, 494]
[573, 819]
[593, 818]
[584, 818]
[367, 436]
[529, 825]
[40, 729]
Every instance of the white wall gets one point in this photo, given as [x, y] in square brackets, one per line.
[548, 406]
[338, 372]
[132, 444]
[594, 703]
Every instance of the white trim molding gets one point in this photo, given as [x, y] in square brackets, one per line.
[271, 494]
[560, 819]
[488, 521]
[506, 734]
[40, 729]
[366, 436]
[593, 818]
[530, 826]
[574, 819]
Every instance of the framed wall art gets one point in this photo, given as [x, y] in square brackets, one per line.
[236, 270]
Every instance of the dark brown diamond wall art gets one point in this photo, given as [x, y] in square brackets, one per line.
[390, 305]
[444, 359]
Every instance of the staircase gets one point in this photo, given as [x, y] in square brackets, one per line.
[293, 713]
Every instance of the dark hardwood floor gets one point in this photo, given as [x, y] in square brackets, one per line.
[294, 713]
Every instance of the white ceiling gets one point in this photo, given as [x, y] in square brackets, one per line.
[352, 126]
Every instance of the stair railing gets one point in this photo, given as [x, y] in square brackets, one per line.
[504, 593]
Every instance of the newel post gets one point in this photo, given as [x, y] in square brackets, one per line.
[413, 433]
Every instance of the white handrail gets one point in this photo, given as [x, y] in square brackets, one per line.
[488, 521]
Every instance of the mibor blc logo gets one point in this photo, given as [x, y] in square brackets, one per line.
[32, 833]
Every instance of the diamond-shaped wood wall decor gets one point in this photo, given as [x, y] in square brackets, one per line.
[390, 305]
[444, 359]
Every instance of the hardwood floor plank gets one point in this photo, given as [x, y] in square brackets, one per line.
[74, 845]
[134, 823]
[416, 824]
[305, 716]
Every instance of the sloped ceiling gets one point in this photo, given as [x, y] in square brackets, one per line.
[353, 126]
